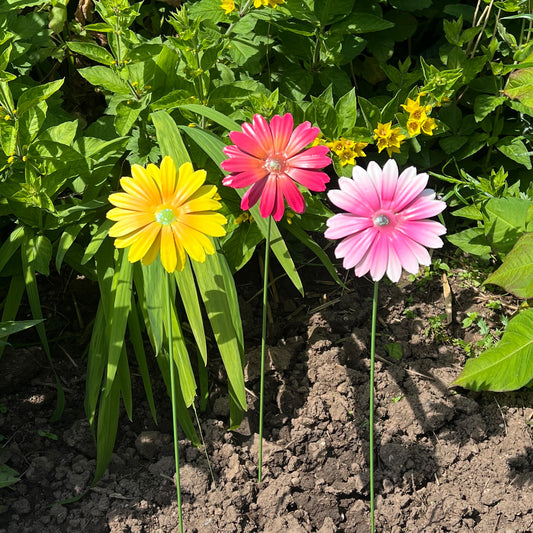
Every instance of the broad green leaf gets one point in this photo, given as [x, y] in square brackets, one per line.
[8, 136]
[106, 434]
[508, 365]
[106, 78]
[31, 122]
[66, 241]
[11, 245]
[92, 51]
[346, 108]
[63, 133]
[127, 114]
[38, 249]
[124, 379]
[361, 22]
[96, 240]
[516, 150]
[121, 301]
[520, 86]
[11, 326]
[189, 297]
[99, 27]
[12, 301]
[152, 282]
[33, 96]
[169, 138]
[137, 342]
[472, 241]
[214, 115]
[505, 221]
[215, 284]
[515, 274]
[485, 104]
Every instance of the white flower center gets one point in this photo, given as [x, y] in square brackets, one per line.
[165, 217]
[381, 220]
[275, 164]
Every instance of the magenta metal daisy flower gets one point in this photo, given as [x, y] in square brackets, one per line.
[385, 225]
[272, 160]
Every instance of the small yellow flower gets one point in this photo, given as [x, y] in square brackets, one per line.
[336, 146]
[413, 127]
[428, 126]
[388, 138]
[228, 6]
[243, 217]
[7, 117]
[347, 157]
[358, 149]
[166, 212]
[10, 159]
[269, 3]
[290, 216]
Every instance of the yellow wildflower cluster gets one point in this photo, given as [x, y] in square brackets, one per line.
[268, 3]
[346, 150]
[228, 6]
[418, 121]
[388, 138]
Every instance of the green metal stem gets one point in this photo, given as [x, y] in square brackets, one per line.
[263, 345]
[173, 396]
[371, 408]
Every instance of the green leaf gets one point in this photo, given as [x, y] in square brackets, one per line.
[505, 221]
[508, 365]
[516, 150]
[127, 114]
[485, 104]
[11, 326]
[96, 240]
[346, 109]
[12, 301]
[8, 476]
[218, 292]
[361, 22]
[11, 245]
[39, 253]
[106, 78]
[92, 51]
[515, 274]
[472, 241]
[213, 115]
[189, 297]
[520, 86]
[33, 96]
[65, 242]
[120, 302]
[169, 138]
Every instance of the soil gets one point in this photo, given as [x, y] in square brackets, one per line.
[447, 460]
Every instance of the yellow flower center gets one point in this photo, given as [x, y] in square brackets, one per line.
[165, 216]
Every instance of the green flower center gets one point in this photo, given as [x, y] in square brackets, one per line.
[165, 217]
[381, 220]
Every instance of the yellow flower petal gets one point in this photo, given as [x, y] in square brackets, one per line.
[207, 222]
[151, 255]
[130, 223]
[127, 201]
[142, 242]
[146, 182]
[188, 183]
[169, 257]
[168, 179]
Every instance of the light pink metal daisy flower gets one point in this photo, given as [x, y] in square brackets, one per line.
[385, 227]
[271, 159]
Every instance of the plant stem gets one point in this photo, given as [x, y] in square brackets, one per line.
[371, 408]
[173, 397]
[263, 343]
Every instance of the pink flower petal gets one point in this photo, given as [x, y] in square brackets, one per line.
[394, 266]
[315, 157]
[242, 163]
[252, 195]
[424, 207]
[346, 202]
[355, 247]
[363, 187]
[243, 179]
[247, 143]
[281, 128]
[279, 207]
[268, 198]
[389, 182]
[291, 193]
[380, 256]
[313, 180]
[302, 135]
[410, 185]
[424, 232]
[344, 224]
[404, 251]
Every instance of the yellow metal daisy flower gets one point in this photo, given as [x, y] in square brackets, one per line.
[166, 212]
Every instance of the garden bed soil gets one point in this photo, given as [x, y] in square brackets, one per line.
[447, 460]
